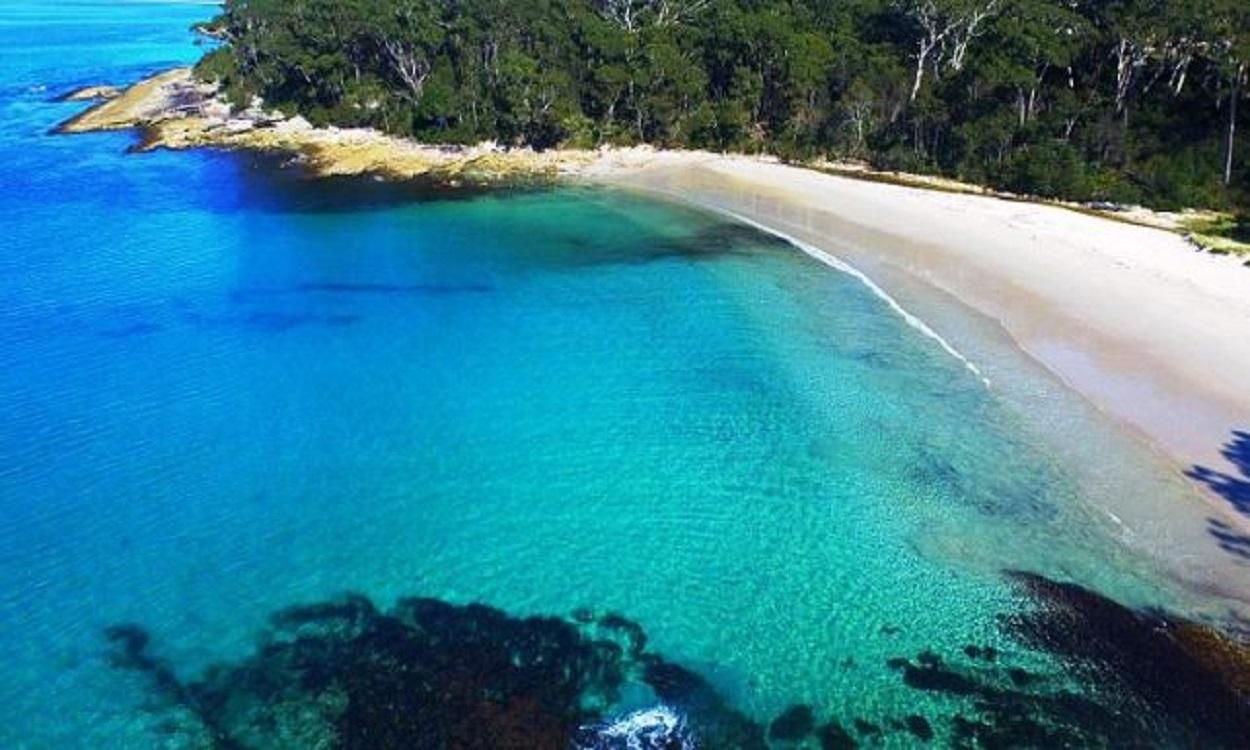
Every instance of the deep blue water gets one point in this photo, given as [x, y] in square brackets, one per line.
[226, 390]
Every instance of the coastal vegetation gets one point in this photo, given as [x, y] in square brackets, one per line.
[1133, 101]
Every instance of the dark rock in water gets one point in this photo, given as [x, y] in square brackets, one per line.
[1020, 677]
[429, 674]
[919, 726]
[1009, 716]
[716, 723]
[132, 645]
[929, 659]
[867, 728]
[795, 723]
[631, 630]
[833, 737]
[986, 653]
[931, 676]
[1184, 676]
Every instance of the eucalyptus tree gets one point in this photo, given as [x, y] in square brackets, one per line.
[1133, 100]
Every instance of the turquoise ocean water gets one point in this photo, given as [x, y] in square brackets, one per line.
[226, 391]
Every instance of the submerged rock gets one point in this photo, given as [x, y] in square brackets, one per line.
[919, 726]
[429, 674]
[716, 723]
[795, 723]
[833, 737]
[1140, 679]
[1185, 676]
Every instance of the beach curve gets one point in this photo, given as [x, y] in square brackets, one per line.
[1129, 316]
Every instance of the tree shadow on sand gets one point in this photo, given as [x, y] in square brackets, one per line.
[1234, 487]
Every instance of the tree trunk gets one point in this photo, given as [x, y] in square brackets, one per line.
[1233, 94]
[918, 79]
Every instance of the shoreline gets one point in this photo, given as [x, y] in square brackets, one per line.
[1147, 330]
[1124, 310]
[175, 111]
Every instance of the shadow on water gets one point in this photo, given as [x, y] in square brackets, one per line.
[576, 250]
[1234, 487]
[344, 288]
[718, 241]
[254, 308]
[277, 183]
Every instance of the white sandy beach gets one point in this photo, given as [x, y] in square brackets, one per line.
[1148, 329]
[1135, 319]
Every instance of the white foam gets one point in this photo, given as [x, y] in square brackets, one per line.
[658, 726]
[837, 263]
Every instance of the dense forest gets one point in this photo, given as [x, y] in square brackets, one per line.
[1124, 100]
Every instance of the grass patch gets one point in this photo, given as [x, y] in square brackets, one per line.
[1222, 234]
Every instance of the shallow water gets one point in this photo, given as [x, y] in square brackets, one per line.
[227, 391]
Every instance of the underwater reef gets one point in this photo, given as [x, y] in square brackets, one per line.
[1127, 678]
[430, 674]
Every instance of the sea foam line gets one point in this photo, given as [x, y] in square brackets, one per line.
[837, 263]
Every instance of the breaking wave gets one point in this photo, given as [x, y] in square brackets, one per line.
[837, 263]
[657, 728]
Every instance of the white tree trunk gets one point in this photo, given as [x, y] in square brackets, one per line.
[410, 68]
[1233, 95]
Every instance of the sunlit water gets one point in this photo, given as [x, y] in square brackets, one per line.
[225, 391]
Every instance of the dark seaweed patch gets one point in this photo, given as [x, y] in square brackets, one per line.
[919, 726]
[716, 723]
[867, 728]
[710, 243]
[1011, 496]
[718, 241]
[1146, 679]
[929, 674]
[988, 653]
[429, 674]
[1187, 676]
[793, 724]
[1005, 715]
[833, 736]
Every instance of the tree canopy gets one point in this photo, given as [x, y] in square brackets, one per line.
[1125, 100]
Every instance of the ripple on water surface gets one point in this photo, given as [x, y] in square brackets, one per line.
[228, 393]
